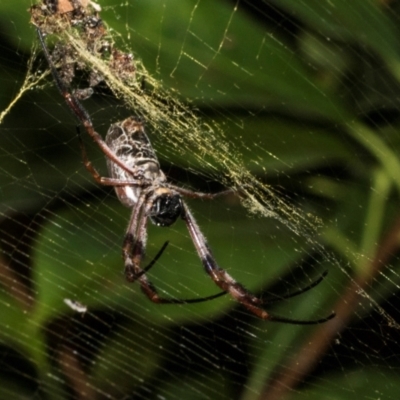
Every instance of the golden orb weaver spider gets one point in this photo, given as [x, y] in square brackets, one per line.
[140, 184]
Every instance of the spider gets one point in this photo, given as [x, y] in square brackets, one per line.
[140, 184]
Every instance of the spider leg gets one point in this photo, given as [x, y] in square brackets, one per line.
[275, 298]
[227, 283]
[277, 318]
[134, 250]
[174, 301]
[106, 181]
[131, 245]
[154, 260]
[200, 195]
[80, 112]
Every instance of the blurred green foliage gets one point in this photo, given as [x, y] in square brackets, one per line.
[308, 91]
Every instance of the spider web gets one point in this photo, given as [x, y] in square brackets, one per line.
[292, 102]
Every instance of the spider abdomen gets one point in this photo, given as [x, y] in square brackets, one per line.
[128, 140]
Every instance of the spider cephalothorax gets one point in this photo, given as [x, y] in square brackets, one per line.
[140, 184]
[166, 209]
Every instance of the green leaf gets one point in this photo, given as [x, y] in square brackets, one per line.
[367, 383]
[230, 62]
[358, 21]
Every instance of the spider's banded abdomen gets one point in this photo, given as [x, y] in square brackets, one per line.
[129, 142]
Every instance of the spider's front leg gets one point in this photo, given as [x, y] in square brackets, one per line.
[230, 285]
[200, 195]
[134, 250]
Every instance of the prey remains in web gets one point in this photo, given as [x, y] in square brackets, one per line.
[139, 183]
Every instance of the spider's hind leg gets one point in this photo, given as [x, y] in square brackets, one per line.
[105, 181]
